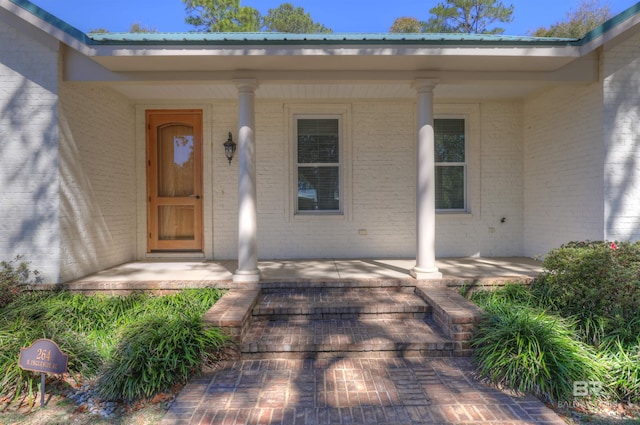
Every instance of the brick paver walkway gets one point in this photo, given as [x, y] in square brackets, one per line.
[350, 391]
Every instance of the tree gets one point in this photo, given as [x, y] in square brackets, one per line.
[138, 27]
[588, 15]
[468, 16]
[221, 16]
[287, 18]
[135, 27]
[407, 25]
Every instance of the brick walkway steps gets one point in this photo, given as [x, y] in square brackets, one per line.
[428, 320]
[347, 322]
[361, 359]
[329, 338]
[340, 303]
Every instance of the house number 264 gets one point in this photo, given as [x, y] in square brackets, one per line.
[43, 355]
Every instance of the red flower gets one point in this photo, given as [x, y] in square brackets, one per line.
[614, 246]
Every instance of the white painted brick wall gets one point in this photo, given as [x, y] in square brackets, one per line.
[97, 179]
[501, 179]
[29, 202]
[563, 173]
[225, 182]
[383, 186]
[384, 169]
[621, 88]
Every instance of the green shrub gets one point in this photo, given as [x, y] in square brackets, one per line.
[14, 276]
[598, 283]
[156, 353]
[531, 351]
[89, 328]
[521, 347]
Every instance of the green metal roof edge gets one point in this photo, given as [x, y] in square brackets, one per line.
[610, 24]
[266, 38]
[53, 20]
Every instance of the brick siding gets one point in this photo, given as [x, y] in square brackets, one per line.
[29, 198]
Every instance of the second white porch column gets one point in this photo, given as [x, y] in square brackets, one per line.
[425, 186]
[247, 195]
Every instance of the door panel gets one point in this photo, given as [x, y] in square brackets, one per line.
[174, 180]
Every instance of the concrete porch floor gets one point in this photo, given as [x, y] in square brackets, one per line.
[163, 274]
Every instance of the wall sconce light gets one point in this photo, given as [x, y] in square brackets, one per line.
[229, 148]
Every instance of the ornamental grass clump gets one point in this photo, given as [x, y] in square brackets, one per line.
[577, 324]
[530, 351]
[100, 334]
[20, 332]
[156, 353]
[625, 370]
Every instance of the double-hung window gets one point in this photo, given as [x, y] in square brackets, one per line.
[318, 164]
[451, 164]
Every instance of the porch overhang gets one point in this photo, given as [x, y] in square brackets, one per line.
[203, 65]
[197, 58]
[375, 72]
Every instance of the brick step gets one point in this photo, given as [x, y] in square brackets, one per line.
[340, 303]
[428, 320]
[345, 338]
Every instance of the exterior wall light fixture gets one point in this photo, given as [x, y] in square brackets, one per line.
[229, 148]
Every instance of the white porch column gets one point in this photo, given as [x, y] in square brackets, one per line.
[425, 185]
[247, 196]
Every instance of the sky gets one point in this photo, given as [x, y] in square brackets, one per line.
[340, 15]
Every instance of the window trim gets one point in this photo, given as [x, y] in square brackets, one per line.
[343, 112]
[339, 164]
[464, 164]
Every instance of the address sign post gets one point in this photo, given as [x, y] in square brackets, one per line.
[43, 356]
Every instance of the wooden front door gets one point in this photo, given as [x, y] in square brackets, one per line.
[174, 180]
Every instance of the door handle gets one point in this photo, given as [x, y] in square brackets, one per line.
[194, 196]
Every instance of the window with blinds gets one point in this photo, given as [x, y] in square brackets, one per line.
[318, 165]
[451, 165]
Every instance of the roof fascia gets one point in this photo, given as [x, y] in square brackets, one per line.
[10, 19]
[610, 29]
[48, 23]
[255, 39]
[477, 50]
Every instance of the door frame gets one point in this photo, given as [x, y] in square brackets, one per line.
[153, 245]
